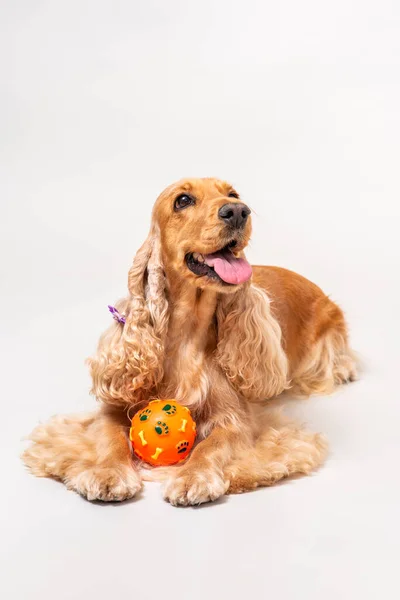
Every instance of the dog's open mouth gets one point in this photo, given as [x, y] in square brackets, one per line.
[222, 265]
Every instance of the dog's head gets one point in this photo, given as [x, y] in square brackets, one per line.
[204, 227]
[199, 230]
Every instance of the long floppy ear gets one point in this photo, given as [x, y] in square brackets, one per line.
[129, 360]
[249, 344]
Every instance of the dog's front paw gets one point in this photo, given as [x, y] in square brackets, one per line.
[106, 484]
[191, 487]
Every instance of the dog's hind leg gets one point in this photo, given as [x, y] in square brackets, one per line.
[328, 360]
[89, 453]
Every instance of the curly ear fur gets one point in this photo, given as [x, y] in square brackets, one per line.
[249, 344]
[129, 359]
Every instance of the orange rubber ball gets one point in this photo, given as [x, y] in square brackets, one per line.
[163, 433]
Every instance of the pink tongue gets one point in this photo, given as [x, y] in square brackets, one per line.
[228, 267]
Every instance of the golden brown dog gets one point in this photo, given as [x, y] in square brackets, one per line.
[203, 327]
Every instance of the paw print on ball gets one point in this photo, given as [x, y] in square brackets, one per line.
[161, 428]
[144, 415]
[170, 409]
[182, 447]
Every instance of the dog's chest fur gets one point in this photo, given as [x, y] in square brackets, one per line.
[191, 340]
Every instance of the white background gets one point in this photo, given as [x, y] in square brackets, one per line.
[102, 105]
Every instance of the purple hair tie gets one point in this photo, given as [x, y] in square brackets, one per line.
[116, 314]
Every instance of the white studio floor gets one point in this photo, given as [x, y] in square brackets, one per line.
[103, 105]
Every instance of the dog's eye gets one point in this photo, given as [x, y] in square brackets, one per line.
[183, 201]
[233, 194]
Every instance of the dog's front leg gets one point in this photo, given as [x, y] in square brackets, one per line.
[201, 478]
[89, 453]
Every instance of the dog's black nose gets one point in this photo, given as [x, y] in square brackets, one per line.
[234, 214]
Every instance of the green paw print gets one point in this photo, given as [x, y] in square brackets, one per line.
[182, 447]
[161, 428]
[144, 415]
[169, 409]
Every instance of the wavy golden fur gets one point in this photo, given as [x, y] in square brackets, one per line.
[222, 349]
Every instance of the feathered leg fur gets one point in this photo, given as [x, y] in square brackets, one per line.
[89, 453]
[226, 462]
[281, 450]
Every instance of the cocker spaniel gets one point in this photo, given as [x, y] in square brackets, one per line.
[202, 326]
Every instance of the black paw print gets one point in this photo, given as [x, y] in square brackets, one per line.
[169, 409]
[144, 415]
[182, 447]
[161, 428]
